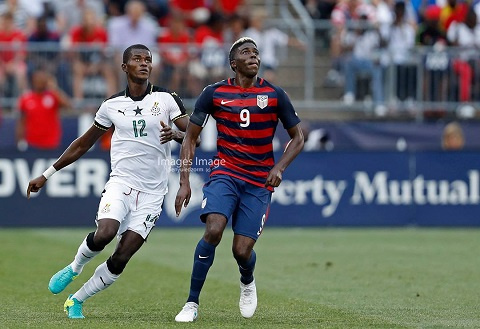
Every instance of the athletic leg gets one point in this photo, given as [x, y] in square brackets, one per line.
[219, 202]
[246, 259]
[205, 254]
[245, 256]
[93, 244]
[202, 261]
[248, 222]
[109, 271]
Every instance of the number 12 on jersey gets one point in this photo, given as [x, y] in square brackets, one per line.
[138, 127]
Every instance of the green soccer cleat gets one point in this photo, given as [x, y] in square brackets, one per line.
[73, 308]
[61, 280]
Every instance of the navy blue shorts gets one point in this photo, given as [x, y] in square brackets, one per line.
[246, 204]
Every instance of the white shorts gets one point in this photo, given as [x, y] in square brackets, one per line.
[135, 210]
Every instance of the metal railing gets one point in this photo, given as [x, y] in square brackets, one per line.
[433, 79]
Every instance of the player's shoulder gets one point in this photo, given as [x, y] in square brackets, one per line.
[267, 85]
[214, 86]
[164, 92]
[115, 96]
[158, 89]
[262, 83]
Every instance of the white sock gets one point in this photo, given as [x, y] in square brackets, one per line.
[83, 256]
[100, 280]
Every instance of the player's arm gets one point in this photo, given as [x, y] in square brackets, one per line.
[291, 123]
[76, 149]
[294, 147]
[187, 153]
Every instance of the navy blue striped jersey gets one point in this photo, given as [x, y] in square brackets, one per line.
[246, 121]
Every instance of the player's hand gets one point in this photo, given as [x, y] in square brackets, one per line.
[183, 198]
[35, 185]
[274, 177]
[167, 133]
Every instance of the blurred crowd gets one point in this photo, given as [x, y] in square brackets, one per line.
[188, 39]
[57, 53]
[370, 35]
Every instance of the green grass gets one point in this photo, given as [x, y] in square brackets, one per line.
[306, 278]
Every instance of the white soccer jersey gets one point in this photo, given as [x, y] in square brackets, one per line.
[137, 157]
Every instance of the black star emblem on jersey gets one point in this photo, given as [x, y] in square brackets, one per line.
[138, 111]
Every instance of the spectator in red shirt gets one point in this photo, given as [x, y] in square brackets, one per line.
[39, 124]
[173, 46]
[90, 38]
[12, 56]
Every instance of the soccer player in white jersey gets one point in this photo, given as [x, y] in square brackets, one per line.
[142, 115]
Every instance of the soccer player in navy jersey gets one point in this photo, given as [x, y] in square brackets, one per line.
[246, 109]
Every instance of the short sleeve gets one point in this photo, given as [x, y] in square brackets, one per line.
[102, 121]
[177, 109]
[203, 107]
[286, 112]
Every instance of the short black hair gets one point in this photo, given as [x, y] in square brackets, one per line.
[236, 45]
[128, 52]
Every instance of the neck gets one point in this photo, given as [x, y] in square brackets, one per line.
[245, 82]
[137, 88]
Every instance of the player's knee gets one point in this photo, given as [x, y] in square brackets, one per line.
[215, 225]
[213, 237]
[104, 235]
[241, 253]
[107, 230]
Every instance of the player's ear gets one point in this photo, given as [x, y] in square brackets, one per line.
[233, 65]
[124, 67]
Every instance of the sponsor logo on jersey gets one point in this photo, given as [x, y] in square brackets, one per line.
[262, 101]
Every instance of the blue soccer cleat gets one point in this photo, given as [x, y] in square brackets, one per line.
[61, 280]
[73, 308]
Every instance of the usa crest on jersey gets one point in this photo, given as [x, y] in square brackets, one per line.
[262, 101]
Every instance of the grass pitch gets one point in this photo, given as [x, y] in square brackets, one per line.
[306, 278]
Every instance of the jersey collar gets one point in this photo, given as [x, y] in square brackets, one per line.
[258, 83]
[139, 98]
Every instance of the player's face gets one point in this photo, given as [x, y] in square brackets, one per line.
[247, 60]
[139, 66]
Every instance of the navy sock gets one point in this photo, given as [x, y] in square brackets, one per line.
[203, 260]
[246, 269]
